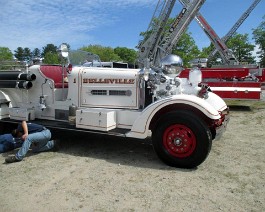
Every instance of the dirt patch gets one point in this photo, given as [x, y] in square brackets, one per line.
[96, 173]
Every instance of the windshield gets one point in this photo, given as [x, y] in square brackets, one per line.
[83, 58]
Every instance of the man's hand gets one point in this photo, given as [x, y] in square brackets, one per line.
[24, 137]
[25, 130]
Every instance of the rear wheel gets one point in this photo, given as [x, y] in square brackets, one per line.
[182, 140]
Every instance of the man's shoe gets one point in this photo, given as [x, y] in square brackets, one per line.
[11, 159]
[56, 146]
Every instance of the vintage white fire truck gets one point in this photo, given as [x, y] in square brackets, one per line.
[181, 116]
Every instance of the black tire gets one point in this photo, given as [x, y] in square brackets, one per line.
[181, 139]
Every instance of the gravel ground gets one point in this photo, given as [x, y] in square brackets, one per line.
[96, 173]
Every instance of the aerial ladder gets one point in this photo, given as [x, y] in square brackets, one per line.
[148, 46]
[225, 53]
[161, 41]
[235, 26]
[230, 82]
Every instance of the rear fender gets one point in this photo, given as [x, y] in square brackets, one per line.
[10, 95]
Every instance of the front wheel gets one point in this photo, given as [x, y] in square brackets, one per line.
[181, 139]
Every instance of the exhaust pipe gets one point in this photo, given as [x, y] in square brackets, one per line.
[16, 84]
[14, 75]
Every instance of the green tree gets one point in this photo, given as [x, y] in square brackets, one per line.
[105, 54]
[51, 58]
[49, 48]
[206, 51]
[36, 53]
[241, 47]
[186, 48]
[27, 54]
[126, 55]
[259, 37]
[5, 54]
[19, 53]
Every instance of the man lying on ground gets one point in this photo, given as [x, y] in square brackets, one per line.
[34, 136]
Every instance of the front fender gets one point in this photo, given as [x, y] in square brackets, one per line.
[216, 101]
[140, 128]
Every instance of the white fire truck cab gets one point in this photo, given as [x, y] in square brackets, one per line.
[181, 116]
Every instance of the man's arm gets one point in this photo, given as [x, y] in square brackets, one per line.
[25, 130]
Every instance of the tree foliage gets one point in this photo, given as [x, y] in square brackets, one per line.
[242, 48]
[105, 54]
[205, 52]
[51, 58]
[127, 55]
[19, 53]
[49, 48]
[259, 37]
[36, 53]
[27, 54]
[49, 52]
[5, 54]
[186, 48]
[23, 54]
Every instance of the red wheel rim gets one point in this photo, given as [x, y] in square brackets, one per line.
[179, 141]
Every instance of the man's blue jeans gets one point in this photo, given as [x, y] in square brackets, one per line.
[40, 140]
[6, 143]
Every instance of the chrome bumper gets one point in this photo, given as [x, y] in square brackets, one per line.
[221, 129]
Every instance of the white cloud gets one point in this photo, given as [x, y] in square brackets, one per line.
[35, 23]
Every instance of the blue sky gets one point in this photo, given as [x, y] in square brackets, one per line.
[36, 23]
